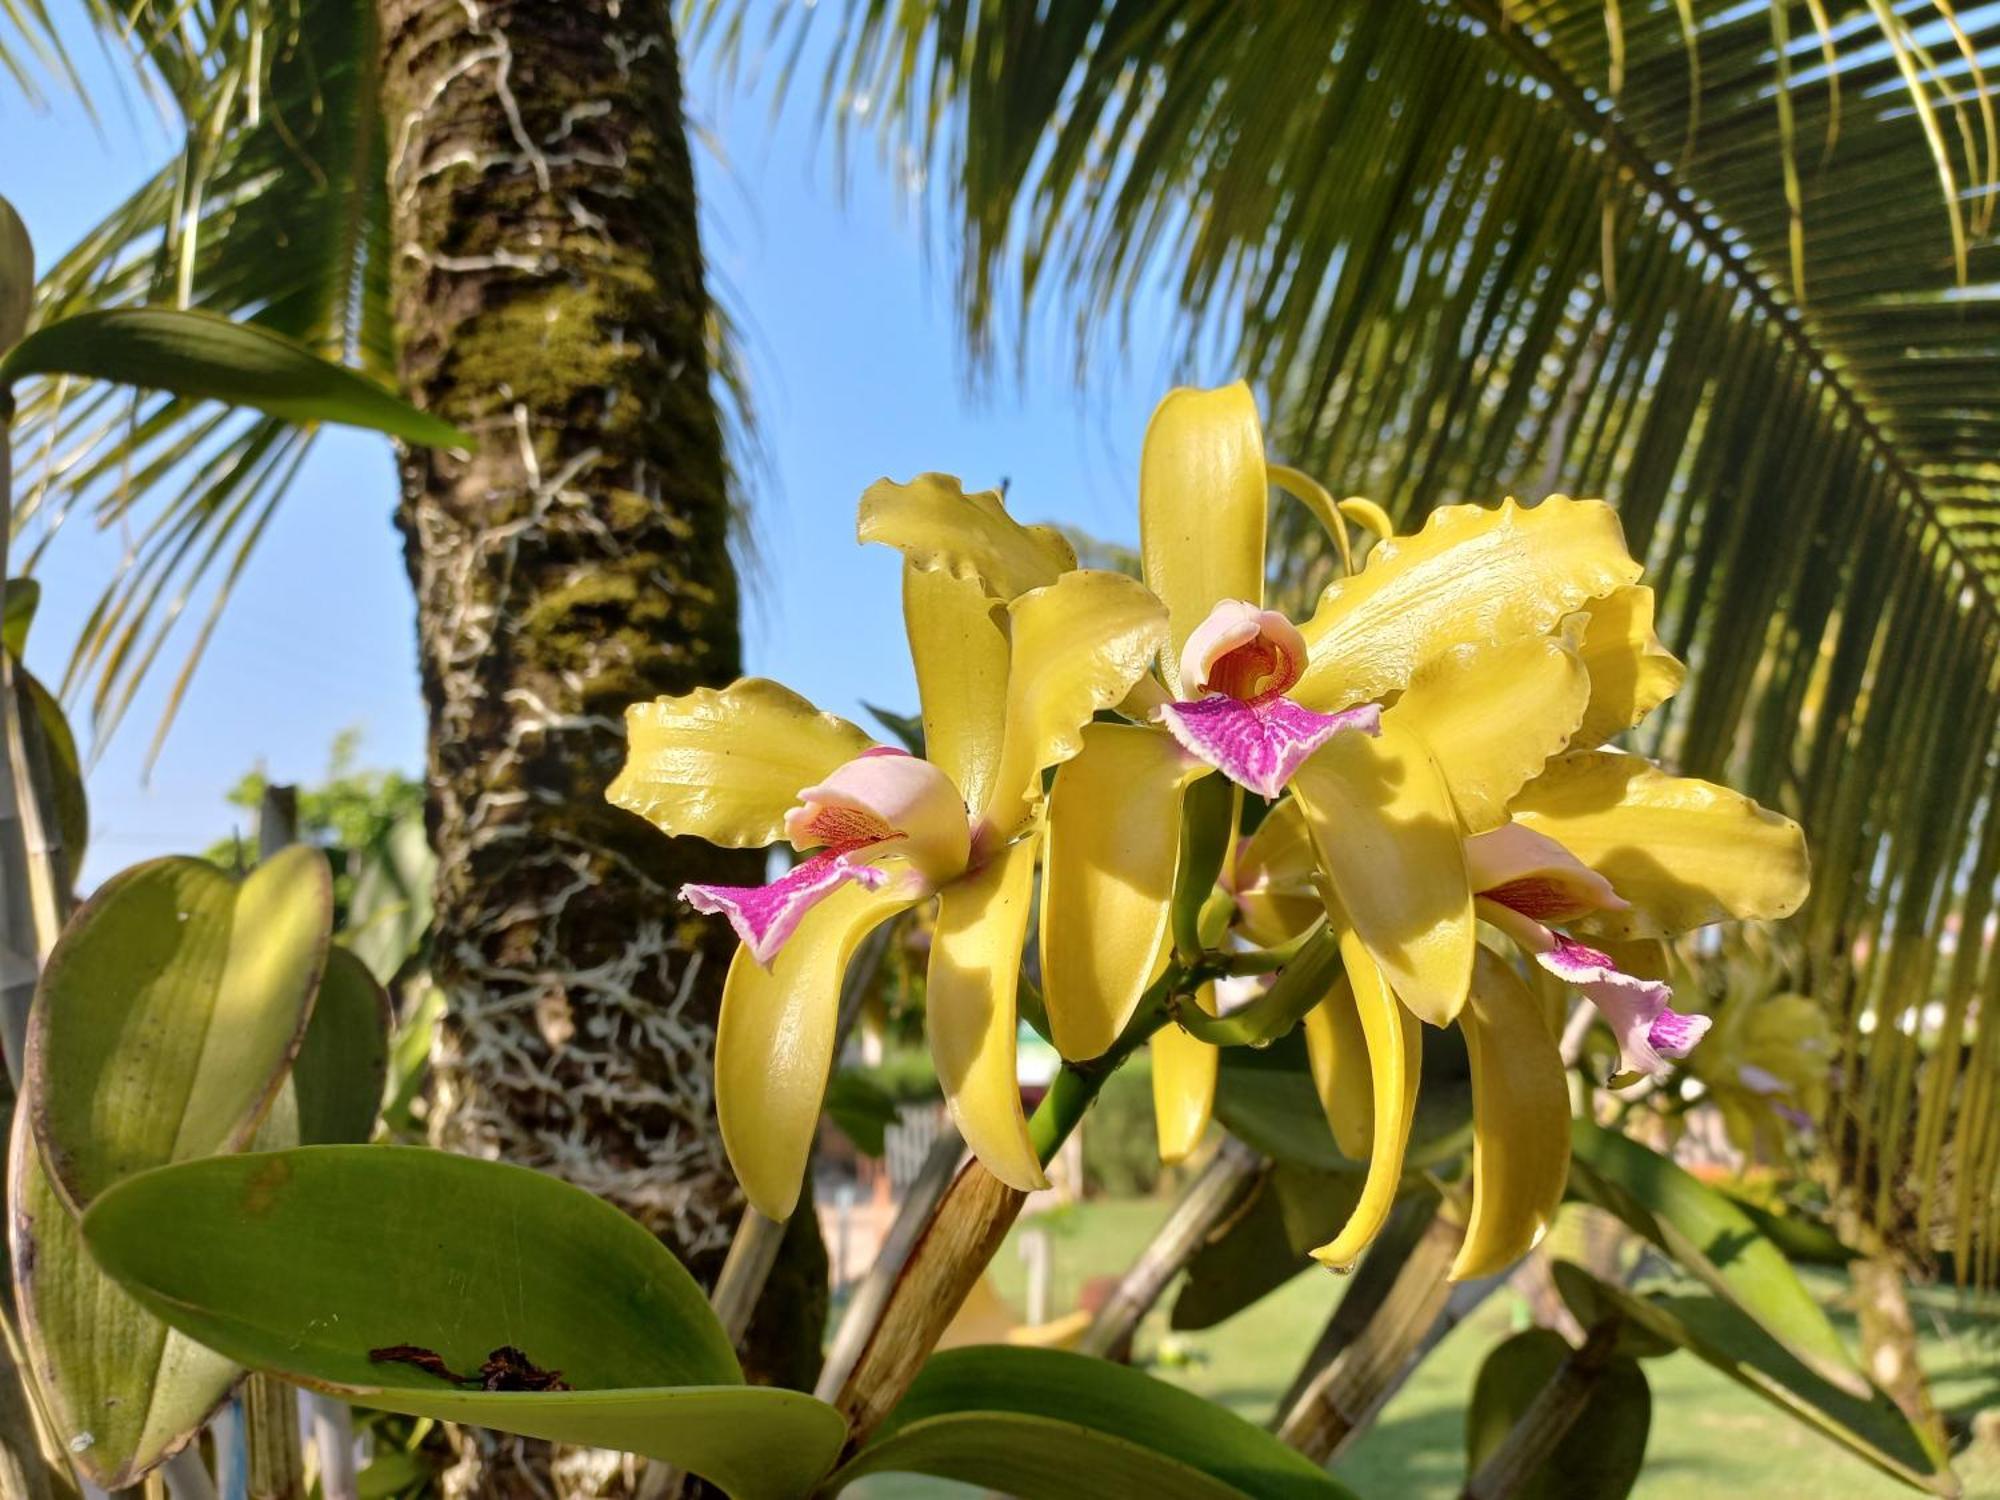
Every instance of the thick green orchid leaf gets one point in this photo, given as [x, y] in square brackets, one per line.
[201, 355]
[60, 766]
[123, 1391]
[380, 1273]
[24, 597]
[343, 1063]
[390, 910]
[1715, 1240]
[1265, 1096]
[1599, 1458]
[169, 1014]
[1266, 1243]
[1041, 1424]
[17, 275]
[1722, 1335]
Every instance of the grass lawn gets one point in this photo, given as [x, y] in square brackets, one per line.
[1708, 1433]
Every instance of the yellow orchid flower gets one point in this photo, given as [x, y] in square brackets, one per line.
[1015, 651]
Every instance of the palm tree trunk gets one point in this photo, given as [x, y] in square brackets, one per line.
[546, 286]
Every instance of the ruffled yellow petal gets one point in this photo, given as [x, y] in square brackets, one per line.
[1202, 503]
[1108, 862]
[1382, 820]
[1631, 673]
[959, 649]
[1337, 1051]
[727, 764]
[1472, 574]
[774, 1043]
[1275, 897]
[1078, 646]
[1520, 1121]
[1184, 1071]
[1493, 712]
[1395, 1054]
[937, 527]
[1684, 852]
[969, 1010]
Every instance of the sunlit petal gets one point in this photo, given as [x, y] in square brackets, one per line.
[727, 764]
[1684, 852]
[1493, 712]
[1078, 646]
[1631, 673]
[1520, 1121]
[1651, 1034]
[1337, 1052]
[1108, 863]
[1259, 745]
[937, 526]
[959, 649]
[1395, 1052]
[1383, 822]
[1202, 502]
[1184, 1073]
[774, 1043]
[969, 1010]
[1474, 573]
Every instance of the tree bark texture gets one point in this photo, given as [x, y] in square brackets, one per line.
[546, 284]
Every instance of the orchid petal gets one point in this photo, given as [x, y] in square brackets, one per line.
[1112, 846]
[1184, 1073]
[1259, 745]
[1395, 1054]
[1520, 1121]
[1203, 496]
[959, 649]
[1493, 712]
[1650, 1033]
[1631, 673]
[1078, 646]
[1388, 836]
[1473, 573]
[1684, 852]
[1337, 1053]
[969, 1002]
[1275, 896]
[937, 526]
[766, 916]
[774, 1043]
[726, 764]
[1534, 875]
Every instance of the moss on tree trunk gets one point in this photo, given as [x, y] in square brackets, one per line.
[546, 282]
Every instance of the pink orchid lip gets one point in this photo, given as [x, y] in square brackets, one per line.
[1259, 744]
[765, 916]
[1650, 1033]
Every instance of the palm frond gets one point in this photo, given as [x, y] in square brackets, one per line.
[1732, 265]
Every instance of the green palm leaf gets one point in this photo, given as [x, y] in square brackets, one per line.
[1729, 265]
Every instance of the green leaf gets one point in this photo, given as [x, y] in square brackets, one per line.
[1038, 1423]
[1720, 1334]
[1805, 1241]
[24, 596]
[1599, 1458]
[1265, 1244]
[907, 728]
[343, 1063]
[169, 1014]
[17, 275]
[303, 1262]
[410, 1057]
[123, 1390]
[1265, 1096]
[61, 766]
[201, 355]
[390, 910]
[1714, 1239]
[862, 1108]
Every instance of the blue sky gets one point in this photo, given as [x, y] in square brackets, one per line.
[857, 370]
